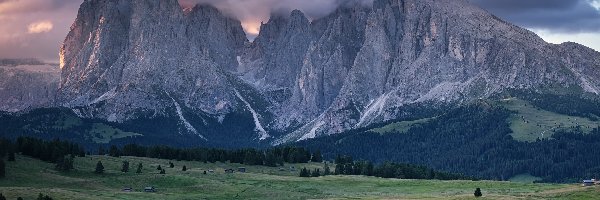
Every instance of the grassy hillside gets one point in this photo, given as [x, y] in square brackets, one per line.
[27, 177]
[61, 123]
[399, 127]
[529, 123]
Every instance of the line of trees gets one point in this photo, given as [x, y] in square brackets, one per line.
[345, 165]
[62, 153]
[271, 157]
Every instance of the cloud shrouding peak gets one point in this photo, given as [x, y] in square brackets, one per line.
[252, 12]
[40, 27]
[596, 4]
[20, 19]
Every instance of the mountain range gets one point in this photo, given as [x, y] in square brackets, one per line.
[149, 60]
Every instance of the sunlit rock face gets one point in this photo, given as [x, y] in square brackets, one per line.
[132, 56]
[26, 85]
[301, 78]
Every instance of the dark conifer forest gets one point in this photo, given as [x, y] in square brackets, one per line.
[474, 140]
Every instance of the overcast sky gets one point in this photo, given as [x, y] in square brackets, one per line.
[36, 28]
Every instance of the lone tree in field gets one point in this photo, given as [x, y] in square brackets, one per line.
[99, 168]
[162, 171]
[478, 192]
[2, 168]
[184, 168]
[159, 168]
[171, 165]
[125, 167]
[139, 169]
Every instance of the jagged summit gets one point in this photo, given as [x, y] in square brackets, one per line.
[299, 79]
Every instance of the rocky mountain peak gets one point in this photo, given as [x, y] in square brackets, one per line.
[359, 65]
[298, 21]
[270, 31]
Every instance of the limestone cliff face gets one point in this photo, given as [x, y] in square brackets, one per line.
[444, 51]
[128, 59]
[25, 86]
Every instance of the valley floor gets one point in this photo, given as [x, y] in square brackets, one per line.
[28, 177]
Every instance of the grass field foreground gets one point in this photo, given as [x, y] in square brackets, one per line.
[27, 177]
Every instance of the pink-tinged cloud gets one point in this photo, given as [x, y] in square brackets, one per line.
[252, 12]
[26, 30]
[40, 27]
[19, 6]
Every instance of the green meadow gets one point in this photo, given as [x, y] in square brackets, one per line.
[28, 177]
[529, 123]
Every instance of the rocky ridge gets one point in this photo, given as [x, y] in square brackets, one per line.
[299, 78]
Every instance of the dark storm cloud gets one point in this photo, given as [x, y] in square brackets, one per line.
[555, 15]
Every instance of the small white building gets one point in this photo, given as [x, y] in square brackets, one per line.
[588, 182]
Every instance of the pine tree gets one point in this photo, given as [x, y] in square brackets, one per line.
[326, 171]
[11, 155]
[270, 159]
[316, 173]
[101, 151]
[304, 172]
[478, 192]
[125, 167]
[162, 171]
[114, 151]
[139, 168]
[42, 197]
[317, 157]
[171, 165]
[2, 169]
[64, 163]
[99, 168]
[2, 197]
[184, 168]
[159, 168]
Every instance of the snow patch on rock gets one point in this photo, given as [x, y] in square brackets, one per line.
[313, 132]
[187, 124]
[263, 134]
[374, 109]
[77, 112]
[108, 95]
